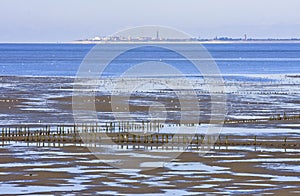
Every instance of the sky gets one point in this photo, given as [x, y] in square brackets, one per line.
[69, 20]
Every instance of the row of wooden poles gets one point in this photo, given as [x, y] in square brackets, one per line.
[122, 126]
[277, 117]
[61, 132]
[186, 139]
[112, 127]
[111, 134]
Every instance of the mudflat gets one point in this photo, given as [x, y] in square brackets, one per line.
[29, 168]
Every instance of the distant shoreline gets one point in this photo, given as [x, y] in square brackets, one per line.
[168, 42]
[192, 42]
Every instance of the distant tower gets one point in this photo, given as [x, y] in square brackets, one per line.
[245, 36]
[157, 35]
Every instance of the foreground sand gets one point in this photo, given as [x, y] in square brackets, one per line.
[27, 168]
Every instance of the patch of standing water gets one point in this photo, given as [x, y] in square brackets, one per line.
[194, 166]
[8, 188]
[275, 178]
[282, 167]
[262, 160]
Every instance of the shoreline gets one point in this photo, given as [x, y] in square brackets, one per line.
[166, 42]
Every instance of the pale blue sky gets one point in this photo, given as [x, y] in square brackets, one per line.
[67, 20]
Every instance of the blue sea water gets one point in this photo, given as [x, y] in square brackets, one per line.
[65, 59]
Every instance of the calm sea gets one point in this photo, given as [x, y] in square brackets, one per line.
[64, 59]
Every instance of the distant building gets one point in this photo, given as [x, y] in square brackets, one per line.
[96, 39]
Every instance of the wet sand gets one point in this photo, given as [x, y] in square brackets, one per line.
[238, 165]
[46, 101]
[28, 169]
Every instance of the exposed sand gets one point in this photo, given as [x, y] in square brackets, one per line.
[73, 169]
[238, 164]
[44, 100]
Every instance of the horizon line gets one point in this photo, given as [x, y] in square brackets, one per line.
[208, 41]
